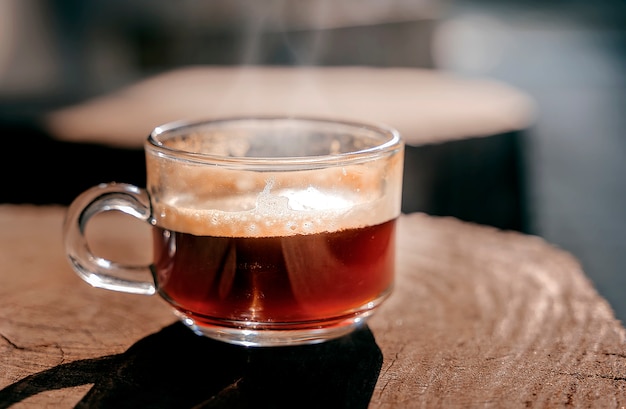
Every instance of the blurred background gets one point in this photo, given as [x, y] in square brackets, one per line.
[563, 177]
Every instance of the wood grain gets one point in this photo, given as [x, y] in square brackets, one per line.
[488, 318]
[479, 318]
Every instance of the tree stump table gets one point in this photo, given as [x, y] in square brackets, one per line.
[479, 317]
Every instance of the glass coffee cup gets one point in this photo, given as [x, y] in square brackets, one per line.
[266, 231]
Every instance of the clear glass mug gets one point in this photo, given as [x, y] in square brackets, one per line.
[266, 231]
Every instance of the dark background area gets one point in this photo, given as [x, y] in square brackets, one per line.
[563, 178]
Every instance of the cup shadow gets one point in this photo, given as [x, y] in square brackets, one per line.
[175, 368]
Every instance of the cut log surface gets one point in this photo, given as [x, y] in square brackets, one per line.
[482, 317]
[478, 318]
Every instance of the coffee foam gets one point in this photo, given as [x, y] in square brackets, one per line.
[206, 200]
[256, 223]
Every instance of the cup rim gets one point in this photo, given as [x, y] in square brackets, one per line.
[391, 142]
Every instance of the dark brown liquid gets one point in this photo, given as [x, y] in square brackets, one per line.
[275, 280]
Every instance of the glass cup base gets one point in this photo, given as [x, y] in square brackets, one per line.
[249, 336]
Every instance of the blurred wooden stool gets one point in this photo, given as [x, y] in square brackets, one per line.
[464, 136]
[426, 106]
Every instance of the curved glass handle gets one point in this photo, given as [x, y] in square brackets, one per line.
[97, 271]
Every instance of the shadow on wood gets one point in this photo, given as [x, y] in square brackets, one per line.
[174, 368]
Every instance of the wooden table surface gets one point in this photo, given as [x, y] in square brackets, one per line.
[479, 318]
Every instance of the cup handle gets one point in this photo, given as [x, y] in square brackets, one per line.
[97, 271]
